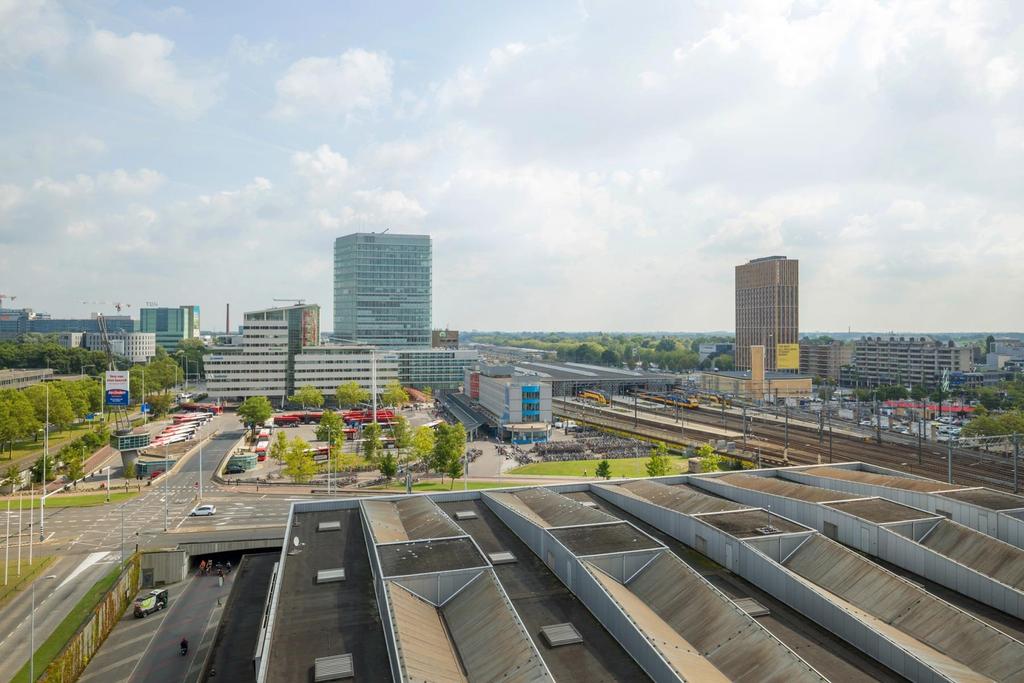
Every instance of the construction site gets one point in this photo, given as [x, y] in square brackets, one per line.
[842, 572]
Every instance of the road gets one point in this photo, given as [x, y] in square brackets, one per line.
[88, 542]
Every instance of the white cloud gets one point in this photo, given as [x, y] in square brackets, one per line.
[31, 28]
[356, 80]
[140, 64]
[10, 196]
[120, 181]
[254, 54]
[80, 229]
[469, 84]
[325, 170]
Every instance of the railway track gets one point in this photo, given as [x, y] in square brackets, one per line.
[806, 446]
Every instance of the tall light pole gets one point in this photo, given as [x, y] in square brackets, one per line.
[122, 534]
[167, 494]
[107, 468]
[200, 463]
[46, 455]
[32, 631]
[7, 542]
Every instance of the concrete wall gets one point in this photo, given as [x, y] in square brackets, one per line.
[162, 567]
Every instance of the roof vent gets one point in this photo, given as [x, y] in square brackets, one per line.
[752, 607]
[330, 575]
[503, 557]
[557, 635]
[333, 668]
[329, 526]
[465, 514]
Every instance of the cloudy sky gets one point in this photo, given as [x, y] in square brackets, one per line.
[580, 165]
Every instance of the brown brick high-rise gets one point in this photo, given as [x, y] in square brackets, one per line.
[767, 307]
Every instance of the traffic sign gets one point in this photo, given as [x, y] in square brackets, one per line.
[144, 408]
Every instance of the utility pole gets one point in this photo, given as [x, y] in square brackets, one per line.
[949, 459]
[744, 427]
[1017, 456]
[7, 541]
[830, 437]
[787, 427]
[878, 422]
[167, 493]
[721, 402]
[635, 412]
[920, 434]
[46, 454]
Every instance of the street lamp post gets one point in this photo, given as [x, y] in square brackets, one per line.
[46, 454]
[32, 631]
[122, 534]
[108, 482]
[167, 493]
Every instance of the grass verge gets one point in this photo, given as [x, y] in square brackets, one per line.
[16, 584]
[67, 628]
[71, 500]
[621, 467]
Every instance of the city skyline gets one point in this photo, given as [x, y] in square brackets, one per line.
[199, 154]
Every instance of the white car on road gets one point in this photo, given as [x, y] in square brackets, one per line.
[203, 511]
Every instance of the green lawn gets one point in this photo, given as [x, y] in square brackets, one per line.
[70, 500]
[621, 467]
[422, 486]
[67, 628]
[17, 583]
[57, 439]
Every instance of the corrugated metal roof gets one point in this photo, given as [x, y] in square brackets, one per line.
[408, 519]
[781, 487]
[880, 510]
[679, 498]
[425, 652]
[491, 641]
[982, 553]
[987, 498]
[947, 638]
[926, 485]
[558, 510]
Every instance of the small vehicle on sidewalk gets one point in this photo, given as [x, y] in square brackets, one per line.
[154, 601]
[203, 511]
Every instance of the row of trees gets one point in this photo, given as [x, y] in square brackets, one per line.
[348, 395]
[23, 411]
[987, 424]
[39, 351]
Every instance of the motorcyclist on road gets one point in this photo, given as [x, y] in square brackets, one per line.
[184, 645]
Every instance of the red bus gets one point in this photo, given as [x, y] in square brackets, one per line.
[289, 420]
[261, 450]
[201, 407]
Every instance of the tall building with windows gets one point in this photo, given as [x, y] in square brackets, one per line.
[170, 325]
[767, 307]
[382, 289]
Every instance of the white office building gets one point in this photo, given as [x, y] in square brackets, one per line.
[138, 347]
[521, 403]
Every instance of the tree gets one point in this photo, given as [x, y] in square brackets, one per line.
[37, 468]
[394, 395]
[60, 410]
[331, 426]
[12, 477]
[308, 396]
[918, 392]
[724, 361]
[74, 466]
[454, 468]
[659, 464]
[159, 404]
[423, 444]
[298, 462]
[429, 393]
[128, 472]
[387, 465]
[371, 442]
[401, 432]
[604, 470]
[350, 394]
[17, 417]
[255, 410]
[279, 448]
[449, 446]
[709, 459]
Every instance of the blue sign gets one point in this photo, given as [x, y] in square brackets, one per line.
[117, 397]
[90, 416]
[144, 408]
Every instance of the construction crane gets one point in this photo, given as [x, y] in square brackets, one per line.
[118, 305]
[6, 296]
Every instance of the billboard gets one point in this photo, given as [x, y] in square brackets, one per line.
[117, 388]
[787, 357]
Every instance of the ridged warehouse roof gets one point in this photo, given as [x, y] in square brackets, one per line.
[781, 487]
[948, 639]
[550, 509]
[408, 519]
[982, 553]
[880, 510]
[925, 485]
[679, 498]
[987, 498]
[703, 634]
[425, 652]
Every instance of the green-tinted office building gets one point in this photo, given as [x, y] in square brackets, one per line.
[382, 289]
[170, 325]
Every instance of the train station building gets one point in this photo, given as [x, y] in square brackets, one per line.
[757, 384]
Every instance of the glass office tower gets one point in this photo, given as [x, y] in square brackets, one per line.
[382, 286]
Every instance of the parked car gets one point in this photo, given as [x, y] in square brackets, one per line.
[234, 469]
[203, 511]
[154, 601]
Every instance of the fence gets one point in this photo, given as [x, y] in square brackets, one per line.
[69, 664]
